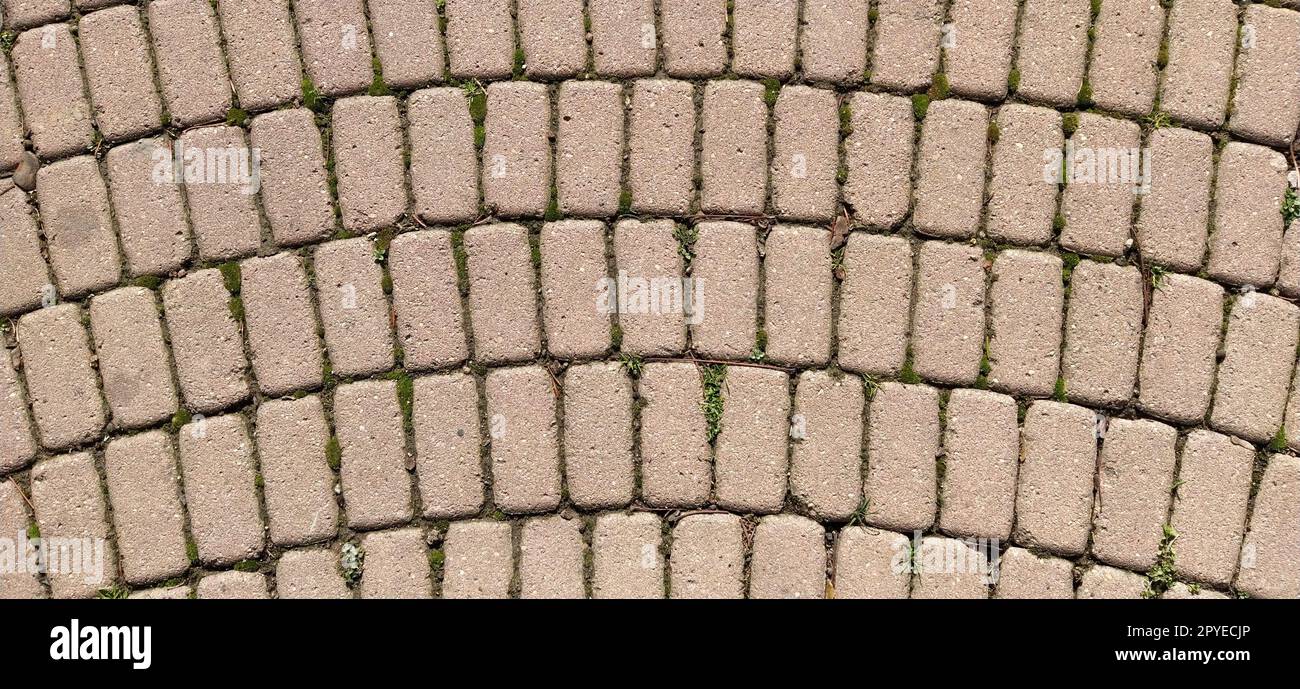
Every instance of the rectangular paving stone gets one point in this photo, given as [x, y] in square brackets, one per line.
[1288, 277]
[1052, 49]
[1198, 75]
[263, 53]
[298, 483]
[517, 150]
[552, 37]
[1210, 503]
[1058, 455]
[725, 321]
[675, 463]
[1124, 54]
[574, 277]
[826, 455]
[48, 75]
[17, 581]
[397, 562]
[875, 304]
[525, 454]
[1105, 582]
[444, 163]
[78, 226]
[950, 186]
[335, 45]
[1269, 555]
[1246, 240]
[1027, 303]
[627, 561]
[906, 50]
[353, 310]
[750, 462]
[624, 42]
[61, 380]
[294, 183]
[551, 557]
[981, 445]
[11, 127]
[1022, 198]
[191, 69]
[281, 324]
[206, 343]
[408, 42]
[661, 147]
[20, 14]
[789, 559]
[693, 38]
[446, 430]
[1102, 165]
[1266, 101]
[870, 563]
[949, 569]
[806, 156]
[1022, 574]
[589, 148]
[646, 251]
[1291, 421]
[140, 472]
[69, 504]
[426, 300]
[309, 574]
[368, 424]
[1103, 332]
[232, 586]
[598, 442]
[150, 216]
[19, 447]
[798, 284]
[833, 45]
[902, 447]
[132, 357]
[978, 59]
[708, 557]
[368, 159]
[221, 198]
[1135, 476]
[1179, 349]
[733, 148]
[480, 38]
[119, 73]
[763, 38]
[480, 561]
[1174, 217]
[1259, 355]
[1181, 591]
[218, 468]
[502, 293]
[948, 321]
[26, 275]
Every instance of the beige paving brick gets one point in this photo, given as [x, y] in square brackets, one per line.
[232, 586]
[48, 75]
[826, 463]
[902, 447]
[1181, 591]
[1058, 455]
[763, 38]
[368, 159]
[1022, 574]
[69, 504]
[353, 309]
[522, 424]
[11, 126]
[397, 562]
[368, 424]
[181, 592]
[221, 197]
[150, 529]
[444, 164]
[150, 216]
[589, 148]
[1175, 214]
[132, 357]
[624, 41]
[408, 42]
[805, 160]
[798, 285]
[708, 557]
[948, 321]
[551, 556]
[598, 438]
[480, 38]
[191, 69]
[1246, 240]
[1266, 102]
[1251, 387]
[479, 560]
[1022, 203]
[627, 559]
[661, 147]
[1098, 200]
[218, 469]
[644, 252]
[446, 427]
[1103, 329]
[870, 563]
[949, 569]
[61, 380]
[1135, 477]
[281, 324]
[1052, 50]
[17, 581]
[263, 53]
[675, 463]
[978, 59]
[294, 184]
[335, 45]
[574, 280]
[1198, 77]
[1124, 53]
[733, 153]
[206, 343]
[1027, 301]
[426, 300]
[119, 73]
[724, 322]
[18, 447]
[26, 275]
[950, 188]
[299, 486]
[981, 446]
[1291, 421]
[517, 150]
[833, 46]
[309, 574]
[1179, 349]
[906, 50]
[20, 14]
[693, 37]
[1268, 556]
[789, 559]
[875, 304]
[78, 226]
[1288, 278]
[1210, 504]
[1105, 582]
[750, 462]
[502, 293]
[552, 37]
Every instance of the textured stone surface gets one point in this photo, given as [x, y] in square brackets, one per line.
[1022, 574]
[751, 460]
[1198, 77]
[517, 150]
[646, 252]
[408, 42]
[1051, 50]
[206, 342]
[480, 38]
[298, 484]
[1022, 203]
[426, 300]
[309, 574]
[119, 73]
[281, 324]
[1251, 386]
[140, 472]
[445, 417]
[502, 293]
[18, 447]
[1266, 101]
[523, 429]
[948, 319]
[551, 556]
[870, 563]
[1214, 477]
[733, 150]
[150, 216]
[589, 148]
[61, 381]
[624, 41]
[261, 47]
[353, 310]
[598, 440]
[1103, 328]
[372, 451]
[335, 44]
[875, 304]
[1026, 303]
[551, 36]
[950, 188]
[763, 38]
[1172, 223]
[833, 45]
[1268, 555]
[661, 150]
[708, 559]
[1135, 474]
[132, 355]
[479, 560]
[444, 165]
[981, 446]
[1246, 238]
[902, 447]
[191, 69]
[906, 50]
[219, 473]
[878, 154]
[51, 89]
[397, 562]
[826, 455]
[805, 159]
[979, 58]
[692, 37]
[626, 559]
[1102, 169]
[70, 504]
[1054, 494]
[78, 226]
[726, 269]
[368, 162]
[789, 559]
[574, 276]
[950, 569]
[1124, 53]
[797, 286]
[1179, 348]
[676, 470]
[223, 209]
[295, 187]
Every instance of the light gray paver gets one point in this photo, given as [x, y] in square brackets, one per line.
[552, 38]
[502, 294]
[221, 197]
[27, 280]
[1266, 101]
[150, 216]
[1174, 218]
[523, 428]
[480, 38]
[140, 473]
[61, 380]
[299, 486]
[870, 563]
[692, 37]
[978, 60]
[20, 14]
[1268, 555]
[1103, 329]
[218, 469]
[446, 428]
[724, 324]
[1051, 50]
[624, 40]
[626, 558]
[789, 559]
[426, 300]
[281, 324]
[750, 460]
[1022, 574]
[1179, 349]
[1102, 167]
[675, 465]
[906, 50]
[308, 574]
[981, 446]
[1246, 240]
[479, 560]
[16, 581]
[1027, 302]
[1124, 53]
[708, 558]
[598, 440]
[833, 45]
[233, 586]
[11, 128]
[878, 154]
[763, 38]
[875, 304]
[948, 320]
[1202, 34]
[826, 455]
[1105, 582]
[1135, 475]
[368, 161]
[70, 504]
[19, 446]
[372, 444]
[950, 186]
[1055, 489]
[1259, 354]
[644, 252]
[902, 447]
[661, 147]
[1022, 202]
[78, 226]
[444, 164]
[797, 286]
[1214, 478]
[132, 357]
[950, 569]
[206, 342]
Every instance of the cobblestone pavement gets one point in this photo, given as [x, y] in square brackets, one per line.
[635, 298]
